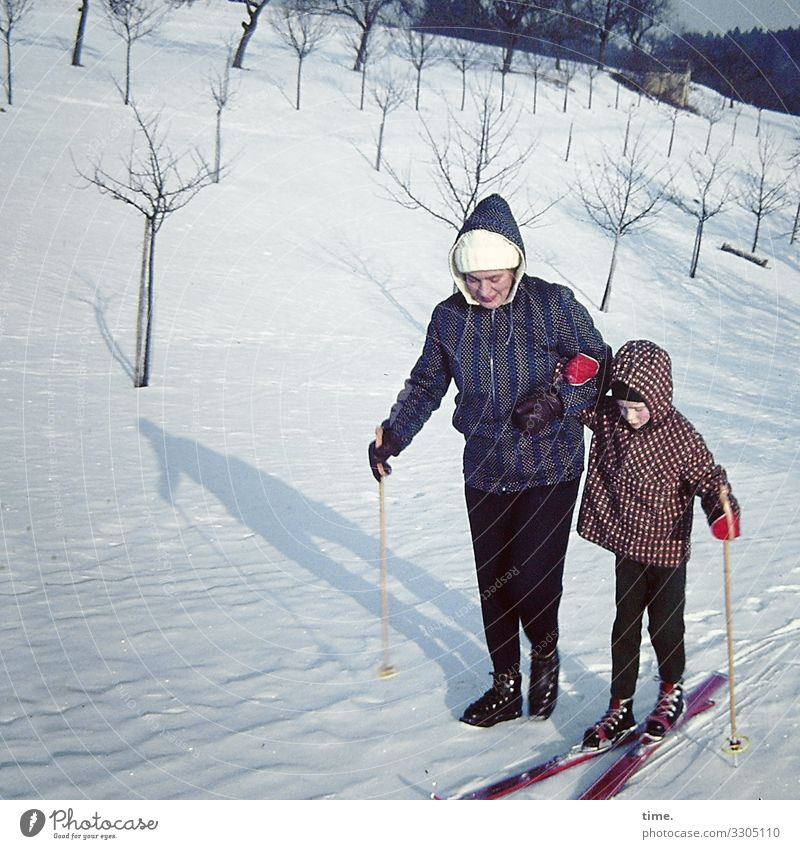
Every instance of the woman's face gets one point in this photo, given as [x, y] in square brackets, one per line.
[635, 413]
[490, 288]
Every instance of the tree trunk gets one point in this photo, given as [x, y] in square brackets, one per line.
[698, 238]
[795, 225]
[249, 28]
[601, 53]
[361, 54]
[142, 317]
[380, 143]
[755, 236]
[607, 293]
[569, 142]
[419, 85]
[127, 71]
[363, 85]
[502, 90]
[627, 135]
[9, 87]
[218, 146]
[671, 140]
[591, 87]
[535, 90]
[76, 52]
[708, 138]
[151, 273]
[463, 88]
[299, 73]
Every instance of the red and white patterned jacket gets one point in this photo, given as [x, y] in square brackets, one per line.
[641, 484]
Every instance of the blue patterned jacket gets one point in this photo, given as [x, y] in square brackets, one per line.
[497, 357]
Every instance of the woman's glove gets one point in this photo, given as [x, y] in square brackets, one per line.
[533, 414]
[386, 444]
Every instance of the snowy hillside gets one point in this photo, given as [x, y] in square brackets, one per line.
[189, 573]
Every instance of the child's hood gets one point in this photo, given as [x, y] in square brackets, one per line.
[647, 369]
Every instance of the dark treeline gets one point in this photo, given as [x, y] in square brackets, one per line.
[756, 67]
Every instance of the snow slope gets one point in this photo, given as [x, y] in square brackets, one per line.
[189, 572]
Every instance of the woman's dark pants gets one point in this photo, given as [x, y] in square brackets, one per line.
[520, 541]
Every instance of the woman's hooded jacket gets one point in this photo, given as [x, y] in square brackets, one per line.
[640, 484]
[498, 357]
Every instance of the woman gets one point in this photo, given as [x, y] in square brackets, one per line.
[501, 338]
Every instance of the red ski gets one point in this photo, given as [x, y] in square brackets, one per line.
[539, 771]
[698, 700]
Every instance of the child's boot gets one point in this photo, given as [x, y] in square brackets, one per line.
[501, 702]
[543, 684]
[668, 708]
[617, 722]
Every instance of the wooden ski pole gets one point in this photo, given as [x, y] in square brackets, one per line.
[735, 743]
[386, 670]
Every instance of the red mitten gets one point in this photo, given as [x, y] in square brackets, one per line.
[719, 527]
[581, 369]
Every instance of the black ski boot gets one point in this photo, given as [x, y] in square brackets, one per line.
[543, 685]
[501, 702]
[617, 722]
[668, 708]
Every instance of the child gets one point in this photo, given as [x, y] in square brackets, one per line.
[646, 464]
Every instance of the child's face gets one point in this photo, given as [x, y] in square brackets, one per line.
[635, 413]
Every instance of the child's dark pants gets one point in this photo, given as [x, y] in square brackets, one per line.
[662, 592]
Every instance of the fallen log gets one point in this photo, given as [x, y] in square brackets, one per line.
[744, 254]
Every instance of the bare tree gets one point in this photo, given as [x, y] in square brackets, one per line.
[302, 31]
[389, 94]
[516, 20]
[376, 49]
[673, 124]
[737, 113]
[713, 115]
[568, 72]
[622, 199]
[78, 48]
[153, 183]
[641, 19]
[12, 12]
[133, 20]
[537, 64]
[421, 50]
[465, 55]
[254, 8]
[366, 15]
[711, 193]
[634, 19]
[592, 72]
[765, 184]
[470, 160]
[221, 94]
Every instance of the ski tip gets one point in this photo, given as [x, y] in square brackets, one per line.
[387, 672]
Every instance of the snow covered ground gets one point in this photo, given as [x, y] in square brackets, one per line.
[189, 572]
